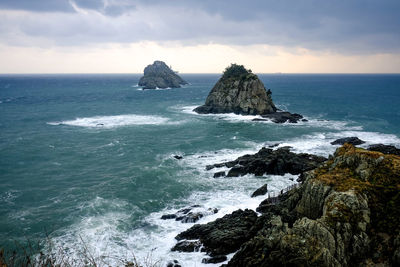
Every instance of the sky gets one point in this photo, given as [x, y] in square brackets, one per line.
[203, 36]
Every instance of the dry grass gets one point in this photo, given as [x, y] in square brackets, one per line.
[34, 255]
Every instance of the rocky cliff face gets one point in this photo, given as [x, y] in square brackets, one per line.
[238, 91]
[159, 75]
[346, 213]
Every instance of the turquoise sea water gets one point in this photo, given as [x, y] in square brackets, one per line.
[90, 157]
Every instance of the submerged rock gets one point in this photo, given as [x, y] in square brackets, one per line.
[168, 216]
[283, 116]
[215, 259]
[350, 140]
[173, 263]
[190, 215]
[159, 75]
[219, 174]
[187, 246]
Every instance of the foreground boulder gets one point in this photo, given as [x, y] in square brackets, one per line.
[159, 75]
[269, 161]
[224, 235]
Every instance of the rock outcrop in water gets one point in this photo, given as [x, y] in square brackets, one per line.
[240, 91]
[190, 215]
[355, 141]
[385, 149]
[159, 75]
[346, 213]
[269, 161]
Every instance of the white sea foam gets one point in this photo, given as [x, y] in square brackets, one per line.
[116, 121]
[225, 116]
[9, 196]
[104, 234]
[319, 143]
[370, 137]
[198, 162]
[156, 89]
[311, 122]
[105, 231]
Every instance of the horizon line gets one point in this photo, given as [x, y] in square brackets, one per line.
[205, 73]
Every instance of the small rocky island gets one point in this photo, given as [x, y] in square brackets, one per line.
[241, 92]
[159, 75]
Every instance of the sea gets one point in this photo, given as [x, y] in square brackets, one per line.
[87, 161]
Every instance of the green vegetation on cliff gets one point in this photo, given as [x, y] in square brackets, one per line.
[238, 91]
[235, 71]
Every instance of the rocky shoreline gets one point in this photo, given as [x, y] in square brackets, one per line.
[344, 212]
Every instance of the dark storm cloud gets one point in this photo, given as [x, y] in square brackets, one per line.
[346, 26]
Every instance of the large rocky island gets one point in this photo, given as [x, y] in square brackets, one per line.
[159, 75]
[241, 92]
[345, 212]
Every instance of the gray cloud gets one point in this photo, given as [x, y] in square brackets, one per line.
[37, 6]
[344, 26]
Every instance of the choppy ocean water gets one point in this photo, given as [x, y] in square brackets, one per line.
[90, 157]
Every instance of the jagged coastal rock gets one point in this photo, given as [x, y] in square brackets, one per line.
[269, 161]
[240, 91]
[190, 215]
[355, 141]
[159, 75]
[385, 149]
[345, 213]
